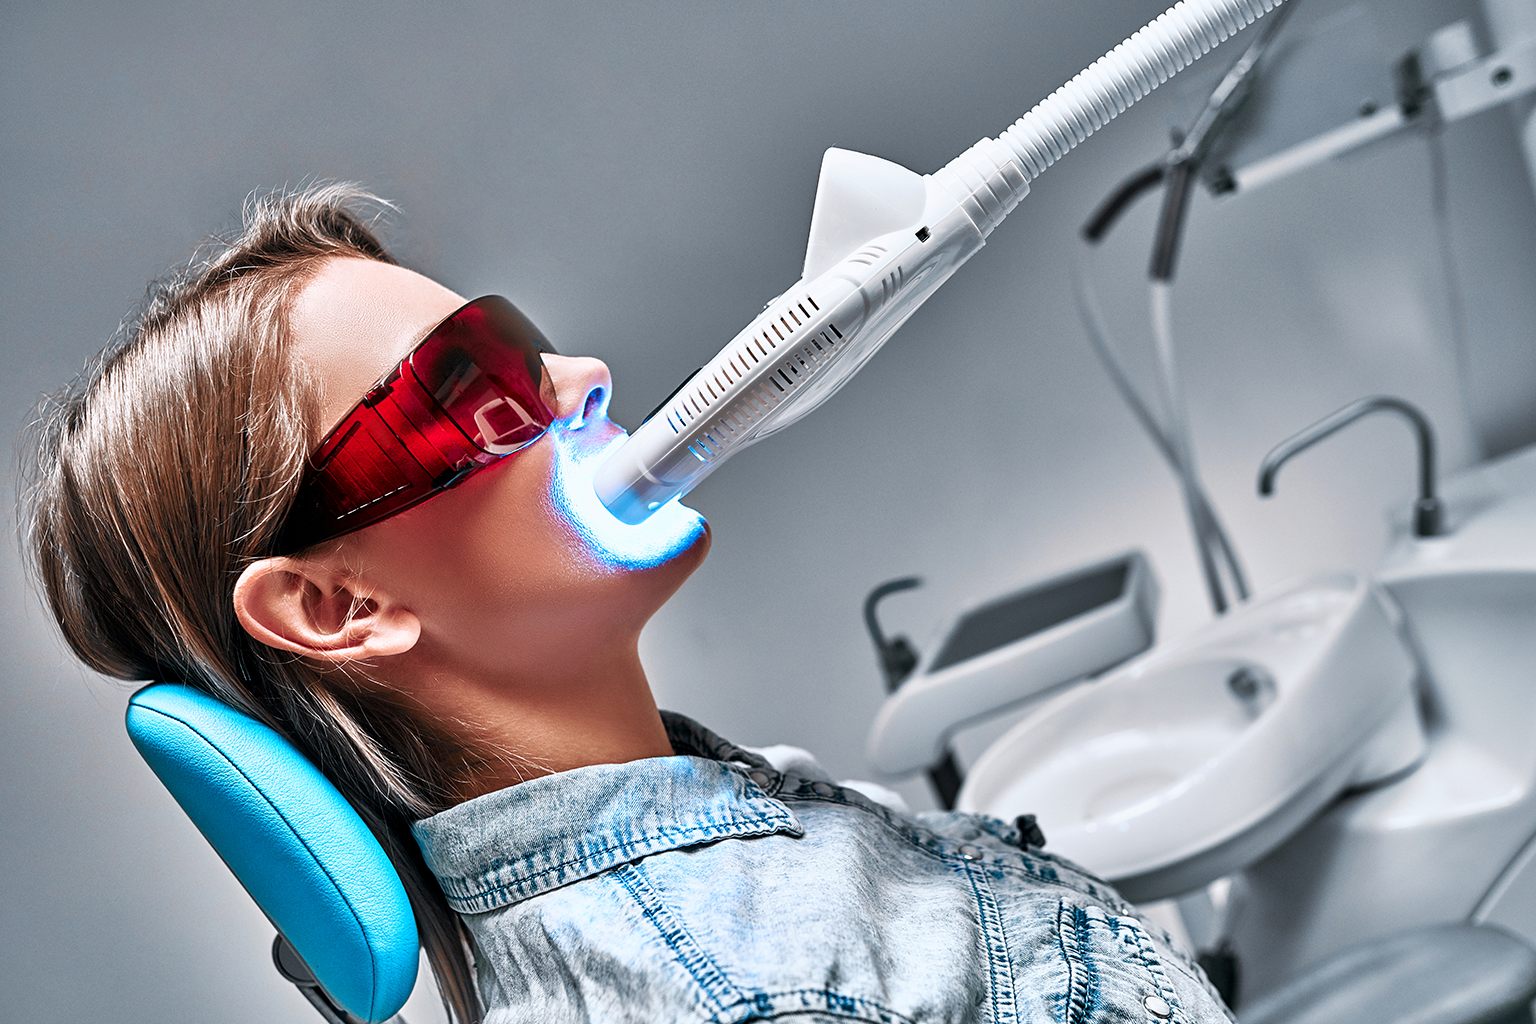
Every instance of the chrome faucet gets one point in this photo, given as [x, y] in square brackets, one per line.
[1427, 510]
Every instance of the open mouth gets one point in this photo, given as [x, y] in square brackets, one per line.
[670, 531]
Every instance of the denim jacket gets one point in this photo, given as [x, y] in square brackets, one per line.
[712, 887]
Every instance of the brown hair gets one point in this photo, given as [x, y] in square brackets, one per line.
[168, 466]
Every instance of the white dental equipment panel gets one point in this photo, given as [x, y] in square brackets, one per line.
[1013, 649]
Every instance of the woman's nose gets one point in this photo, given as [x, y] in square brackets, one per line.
[582, 388]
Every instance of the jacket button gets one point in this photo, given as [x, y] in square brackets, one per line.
[970, 852]
[760, 777]
[1158, 1007]
[823, 789]
[1029, 831]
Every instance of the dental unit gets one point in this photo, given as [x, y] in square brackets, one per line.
[1345, 760]
[882, 240]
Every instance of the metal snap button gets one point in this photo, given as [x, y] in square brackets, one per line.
[761, 778]
[823, 789]
[1158, 1007]
[970, 852]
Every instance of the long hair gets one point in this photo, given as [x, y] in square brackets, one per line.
[169, 466]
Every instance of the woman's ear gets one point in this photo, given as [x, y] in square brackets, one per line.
[317, 611]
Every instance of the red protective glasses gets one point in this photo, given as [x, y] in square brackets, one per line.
[465, 398]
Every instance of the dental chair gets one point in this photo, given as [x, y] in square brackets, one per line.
[347, 938]
[346, 935]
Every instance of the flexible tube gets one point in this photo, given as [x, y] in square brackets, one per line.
[814, 337]
[1124, 75]
[1210, 533]
[990, 178]
[1177, 421]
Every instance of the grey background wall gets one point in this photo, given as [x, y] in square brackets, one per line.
[639, 178]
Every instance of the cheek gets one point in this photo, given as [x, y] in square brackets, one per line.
[508, 540]
[499, 540]
[525, 548]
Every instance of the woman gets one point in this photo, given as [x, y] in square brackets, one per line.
[330, 492]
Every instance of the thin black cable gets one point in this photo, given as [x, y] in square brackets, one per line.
[1120, 199]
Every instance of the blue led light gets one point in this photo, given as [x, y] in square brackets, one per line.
[668, 532]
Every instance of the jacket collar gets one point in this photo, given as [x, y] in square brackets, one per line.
[518, 842]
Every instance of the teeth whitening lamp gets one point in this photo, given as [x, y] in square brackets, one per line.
[882, 240]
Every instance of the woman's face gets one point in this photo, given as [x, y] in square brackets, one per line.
[520, 560]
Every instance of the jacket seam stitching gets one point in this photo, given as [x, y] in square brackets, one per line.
[995, 939]
[712, 981]
[1071, 922]
[723, 830]
[1152, 964]
[937, 847]
[884, 1013]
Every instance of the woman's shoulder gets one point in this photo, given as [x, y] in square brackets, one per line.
[751, 885]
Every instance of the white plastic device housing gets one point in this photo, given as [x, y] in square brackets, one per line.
[913, 723]
[882, 239]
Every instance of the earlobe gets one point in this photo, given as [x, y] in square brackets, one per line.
[313, 610]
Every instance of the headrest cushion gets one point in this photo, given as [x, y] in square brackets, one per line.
[291, 839]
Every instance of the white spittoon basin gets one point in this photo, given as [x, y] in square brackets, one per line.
[1206, 753]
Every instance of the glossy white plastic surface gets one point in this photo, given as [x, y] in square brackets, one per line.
[882, 240]
[1166, 774]
[909, 732]
[811, 339]
[1452, 841]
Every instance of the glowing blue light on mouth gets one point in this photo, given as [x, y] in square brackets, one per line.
[666, 534]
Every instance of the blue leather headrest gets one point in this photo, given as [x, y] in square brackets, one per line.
[291, 839]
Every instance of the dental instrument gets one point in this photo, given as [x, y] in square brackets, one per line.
[1226, 582]
[882, 239]
[1214, 548]
[1442, 82]
[898, 660]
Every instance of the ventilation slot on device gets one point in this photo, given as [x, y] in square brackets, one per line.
[732, 425]
[755, 404]
[868, 255]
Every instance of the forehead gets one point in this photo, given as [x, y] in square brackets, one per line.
[355, 319]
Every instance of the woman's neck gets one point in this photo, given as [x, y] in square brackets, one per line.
[599, 710]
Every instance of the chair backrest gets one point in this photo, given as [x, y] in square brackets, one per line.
[291, 839]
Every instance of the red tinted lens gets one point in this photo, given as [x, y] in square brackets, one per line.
[486, 386]
[467, 396]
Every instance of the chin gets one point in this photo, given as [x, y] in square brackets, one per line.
[673, 533]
